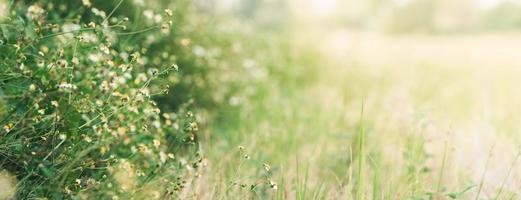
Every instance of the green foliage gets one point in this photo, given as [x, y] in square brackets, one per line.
[78, 115]
[505, 16]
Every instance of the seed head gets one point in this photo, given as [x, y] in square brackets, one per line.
[266, 167]
[273, 185]
[168, 12]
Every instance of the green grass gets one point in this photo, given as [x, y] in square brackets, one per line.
[398, 149]
[207, 112]
[360, 186]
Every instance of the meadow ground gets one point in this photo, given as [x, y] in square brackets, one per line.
[176, 100]
[439, 121]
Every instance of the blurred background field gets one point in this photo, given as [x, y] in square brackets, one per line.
[341, 99]
[438, 81]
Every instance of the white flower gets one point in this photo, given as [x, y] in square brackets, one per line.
[162, 157]
[35, 11]
[176, 67]
[95, 57]
[65, 85]
[273, 185]
[149, 14]
[75, 61]
[32, 87]
[104, 49]
[158, 18]
[69, 27]
[168, 12]
[89, 37]
[87, 3]
[87, 139]
[100, 13]
[199, 51]
[139, 2]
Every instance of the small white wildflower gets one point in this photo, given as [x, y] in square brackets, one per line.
[234, 101]
[162, 157]
[175, 66]
[92, 24]
[199, 51]
[35, 11]
[75, 61]
[185, 41]
[89, 37]
[104, 49]
[32, 87]
[87, 3]
[123, 67]
[168, 12]
[69, 28]
[148, 14]
[157, 143]
[54, 103]
[273, 185]
[99, 102]
[99, 13]
[62, 63]
[67, 86]
[62, 136]
[193, 126]
[158, 18]
[40, 63]
[95, 57]
[87, 139]
[165, 28]
[139, 2]
[266, 167]
[156, 124]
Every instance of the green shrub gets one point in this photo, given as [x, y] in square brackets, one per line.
[77, 111]
[96, 100]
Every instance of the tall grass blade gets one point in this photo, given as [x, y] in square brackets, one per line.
[360, 189]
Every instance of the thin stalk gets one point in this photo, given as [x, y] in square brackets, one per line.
[442, 170]
[508, 175]
[484, 172]
[361, 159]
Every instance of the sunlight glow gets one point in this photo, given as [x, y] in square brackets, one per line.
[323, 7]
[486, 4]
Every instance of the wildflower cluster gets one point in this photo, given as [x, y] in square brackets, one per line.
[260, 183]
[78, 105]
